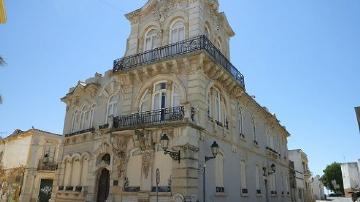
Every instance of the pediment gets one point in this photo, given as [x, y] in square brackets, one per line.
[79, 90]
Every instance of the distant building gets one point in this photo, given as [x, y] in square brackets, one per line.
[302, 176]
[27, 165]
[2, 12]
[317, 188]
[351, 177]
[357, 111]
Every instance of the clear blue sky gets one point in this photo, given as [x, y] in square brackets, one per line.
[301, 59]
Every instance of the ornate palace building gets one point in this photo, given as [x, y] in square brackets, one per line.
[173, 103]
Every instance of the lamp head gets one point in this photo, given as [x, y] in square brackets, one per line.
[273, 168]
[215, 149]
[164, 141]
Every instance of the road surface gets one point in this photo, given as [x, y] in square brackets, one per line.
[338, 199]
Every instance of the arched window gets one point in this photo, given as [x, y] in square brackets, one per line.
[75, 121]
[76, 173]
[84, 171]
[92, 113]
[150, 41]
[160, 95]
[177, 31]
[67, 174]
[112, 107]
[145, 103]
[219, 173]
[217, 107]
[84, 118]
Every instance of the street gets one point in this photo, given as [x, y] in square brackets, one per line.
[337, 199]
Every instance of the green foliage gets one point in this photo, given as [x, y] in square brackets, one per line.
[333, 172]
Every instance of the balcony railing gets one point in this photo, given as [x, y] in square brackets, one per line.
[180, 48]
[47, 166]
[150, 117]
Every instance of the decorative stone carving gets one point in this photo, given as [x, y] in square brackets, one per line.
[147, 160]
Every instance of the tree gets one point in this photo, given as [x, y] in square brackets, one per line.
[332, 173]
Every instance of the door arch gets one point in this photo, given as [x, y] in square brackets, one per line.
[103, 185]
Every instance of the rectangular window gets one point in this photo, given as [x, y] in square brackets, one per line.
[243, 174]
[258, 178]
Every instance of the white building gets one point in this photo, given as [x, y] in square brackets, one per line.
[302, 176]
[351, 177]
[176, 87]
[317, 188]
[27, 165]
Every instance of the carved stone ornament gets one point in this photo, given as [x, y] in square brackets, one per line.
[147, 160]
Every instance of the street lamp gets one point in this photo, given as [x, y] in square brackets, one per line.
[214, 150]
[267, 173]
[164, 141]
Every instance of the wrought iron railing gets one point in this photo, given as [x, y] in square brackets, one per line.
[150, 117]
[179, 48]
[49, 166]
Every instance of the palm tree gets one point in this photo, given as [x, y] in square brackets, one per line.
[2, 63]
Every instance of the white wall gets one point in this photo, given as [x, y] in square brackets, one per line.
[16, 152]
[350, 174]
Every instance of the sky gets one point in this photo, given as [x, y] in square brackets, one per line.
[301, 59]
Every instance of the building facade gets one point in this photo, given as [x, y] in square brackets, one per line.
[357, 111]
[351, 177]
[175, 83]
[302, 189]
[317, 188]
[27, 165]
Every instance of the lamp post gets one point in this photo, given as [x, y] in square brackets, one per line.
[267, 173]
[164, 141]
[214, 150]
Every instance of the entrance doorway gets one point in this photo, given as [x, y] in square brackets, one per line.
[103, 185]
[45, 190]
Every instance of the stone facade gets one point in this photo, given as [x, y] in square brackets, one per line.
[27, 159]
[175, 79]
[302, 192]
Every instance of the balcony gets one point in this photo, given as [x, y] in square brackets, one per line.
[80, 132]
[199, 43]
[47, 166]
[155, 117]
[272, 153]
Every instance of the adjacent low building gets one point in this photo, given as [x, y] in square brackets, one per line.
[301, 175]
[27, 165]
[351, 177]
[317, 188]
